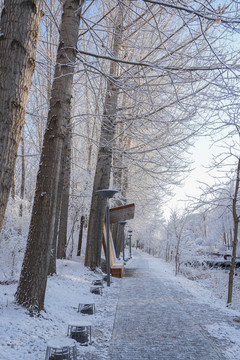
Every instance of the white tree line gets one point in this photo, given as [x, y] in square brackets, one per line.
[144, 73]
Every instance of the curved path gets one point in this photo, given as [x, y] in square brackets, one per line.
[158, 319]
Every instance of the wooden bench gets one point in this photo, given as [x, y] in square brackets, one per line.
[117, 270]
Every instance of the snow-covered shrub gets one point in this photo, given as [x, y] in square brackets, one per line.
[13, 239]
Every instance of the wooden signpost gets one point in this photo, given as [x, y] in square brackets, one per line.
[122, 213]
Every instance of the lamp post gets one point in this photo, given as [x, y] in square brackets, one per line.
[130, 243]
[107, 194]
[123, 223]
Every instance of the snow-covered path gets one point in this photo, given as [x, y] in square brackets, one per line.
[160, 316]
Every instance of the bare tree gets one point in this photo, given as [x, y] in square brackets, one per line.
[104, 160]
[20, 22]
[22, 191]
[52, 269]
[178, 224]
[82, 221]
[33, 279]
[235, 237]
[63, 221]
[222, 197]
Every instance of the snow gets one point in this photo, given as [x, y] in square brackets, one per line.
[59, 342]
[205, 293]
[227, 333]
[79, 323]
[24, 337]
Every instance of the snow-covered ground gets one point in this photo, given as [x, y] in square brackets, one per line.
[24, 337]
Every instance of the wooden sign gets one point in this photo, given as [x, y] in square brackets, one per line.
[122, 213]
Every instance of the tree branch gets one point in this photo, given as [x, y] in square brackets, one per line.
[203, 15]
[158, 67]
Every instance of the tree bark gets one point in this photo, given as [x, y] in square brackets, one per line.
[52, 269]
[82, 221]
[33, 278]
[117, 185]
[177, 256]
[23, 176]
[20, 22]
[235, 238]
[62, 234]
[13, 192]
[121, 145]
[104, 160]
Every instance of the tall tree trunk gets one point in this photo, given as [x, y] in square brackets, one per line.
[117, 184]
[177, 256]
[82, 221]
[119, 145]
[62, 234]
[49, 48]
[235, 238]
[23, 176]
[104, 160]
[125, 172]
[33, 279]
[20, 22]
[13, 192]
[52, 269]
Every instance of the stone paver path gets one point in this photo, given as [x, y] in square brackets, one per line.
[157, 319]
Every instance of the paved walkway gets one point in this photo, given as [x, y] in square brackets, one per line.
[156, 319]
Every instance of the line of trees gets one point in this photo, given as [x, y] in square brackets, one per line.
[130, 88]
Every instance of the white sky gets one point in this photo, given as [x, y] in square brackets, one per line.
[201, 156]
